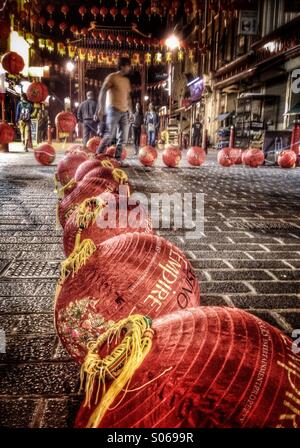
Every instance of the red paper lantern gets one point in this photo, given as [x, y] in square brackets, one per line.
[23, 15]
[12, 62]
[196, 156]
[225, 157]
[113, 12]
[102, 35]
[82, 11]
[95, 11]
[7, 133]
[65, 122]
[208, 367]
[254, 157]
[42, 21]
[136, 41]
[84, 31]
[120, 38]
[103, 12]
[172, 13]
[125, 12]
[137, 12]
[34, 18]
[147, 155]
[4, 30]
[236, 155]
[65, 9]
[50, 9]
[63, 26]
[44, 154]
[85, 189]
[90, 165]
[130, 40]
[140, 2]
[188, 7]
[287, 159]
[93, 144]
[37, 92]
[99, 219]
[149, 12]
[132, 271]
[50, 23]
[112, 37]
[66, 168]
[111, 151]
[175, 5]
[171, 156]
[74, 29]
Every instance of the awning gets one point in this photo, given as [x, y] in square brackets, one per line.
[294, 110]
[223, 117]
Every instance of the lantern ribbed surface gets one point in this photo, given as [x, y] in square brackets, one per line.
[208, 367]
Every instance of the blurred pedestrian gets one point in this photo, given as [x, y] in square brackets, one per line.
[138, 120]
[23, 119]
[86, 114]
[152, 125]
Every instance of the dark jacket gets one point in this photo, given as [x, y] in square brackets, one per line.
[152, 118]
[86, 110]
[24, 111]
[138, 119]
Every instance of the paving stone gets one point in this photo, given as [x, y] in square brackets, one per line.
[16, 412]
[61, 413]
[27, 348]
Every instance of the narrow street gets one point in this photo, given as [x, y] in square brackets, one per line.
[249, 258]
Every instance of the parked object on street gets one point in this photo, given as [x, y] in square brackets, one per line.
[287, 159]
[93, 144]
[111, 151]
[171, 156]
[196, 156]
[254, 157]
[147, 155]
[45, 154]
[226, 157]
[67, 167]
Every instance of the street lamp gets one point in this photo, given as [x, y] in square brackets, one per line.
[172, 42]
[70, 66]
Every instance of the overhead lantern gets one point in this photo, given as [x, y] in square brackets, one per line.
[113, 12]
[137, 12]
[82, 11]
[42, 21]
[63, 26]
[65, 9]
[125, 12]
[50, 9]
[74, 29]
[50, 24]
[103, 12]
[95, 11]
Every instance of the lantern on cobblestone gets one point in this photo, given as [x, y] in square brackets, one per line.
[85, 189]
[93, 144]
[225, 157]
[171, 156]
[65, 122]
[111, 151]
[67, 167]
[147, 155]
[196, 156]
[132, 271]
[236, 155]
[287, 159]
[12, 62]
[225, 369]
[37, 92]
[254, 157]
[101, 218]
[44, 154]
[7, 133]
[89, 165]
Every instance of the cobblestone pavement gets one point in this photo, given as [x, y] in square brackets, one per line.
[248, 258]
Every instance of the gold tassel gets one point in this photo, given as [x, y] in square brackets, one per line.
[78, 258]
[55, 183]
[63, 189]
[120, 176]
[118, 367]
[106, 164]
[57, 222]
[88, 211]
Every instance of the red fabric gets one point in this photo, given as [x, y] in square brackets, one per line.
[93, 144]
[147, 155]
[12, 62]
[225, 157]
[111, 151]
[130, 273]
[196, 156]
[229, 370]
[171, 156]
[254, 157]
[112, 160]
[74, 148]
[100, 171]
[287, 159]
[236, 155]
[98, 233]
[7, 133]
[87, 166]
[37, 92]
[44, 154]
[67, 167]
[85, 189]
[65, 122]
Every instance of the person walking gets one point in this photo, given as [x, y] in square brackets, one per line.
[138, 120]
[119, 106]
[152, 125]
[23, 118]
[86, 114]
[197, 132]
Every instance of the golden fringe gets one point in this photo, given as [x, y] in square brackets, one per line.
[55, 183]
[62, 190]
[81, 253]
[106, 164]
[119, 366]
[88, 211]
[120, 176]
[57, 222]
